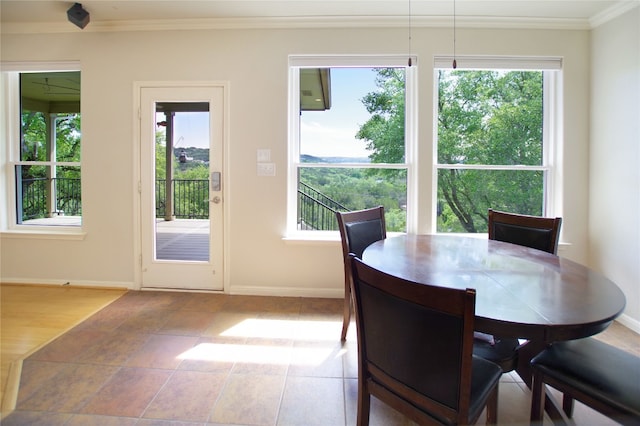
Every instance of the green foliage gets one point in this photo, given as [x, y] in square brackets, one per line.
[384, 131]
[488, 118]
[35, 178]
[484, 118]
[190, 180]
[360, 188]
[356, 189]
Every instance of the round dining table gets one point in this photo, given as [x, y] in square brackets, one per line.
[520, 292]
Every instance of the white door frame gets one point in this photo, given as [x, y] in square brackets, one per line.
[137, 178]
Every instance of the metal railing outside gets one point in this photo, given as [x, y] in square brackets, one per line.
[34, 197]
[190, 198]
[317, 211]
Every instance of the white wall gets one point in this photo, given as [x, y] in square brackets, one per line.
[254, 62]
[614, 171]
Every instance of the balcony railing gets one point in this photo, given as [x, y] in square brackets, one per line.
[316, 210]
[34, 197]
[190, 200]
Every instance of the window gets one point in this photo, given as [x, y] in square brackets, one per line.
[495, 139]
[45, 148]
[350, 145]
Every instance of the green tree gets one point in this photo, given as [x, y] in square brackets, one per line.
[191, 180]
[34, 148]
[384, 131]
[484, 118]
[488, 118]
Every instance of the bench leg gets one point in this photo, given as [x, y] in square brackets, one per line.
[537, 400]
[567, 405]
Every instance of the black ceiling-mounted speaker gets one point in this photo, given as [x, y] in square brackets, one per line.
[78, 16]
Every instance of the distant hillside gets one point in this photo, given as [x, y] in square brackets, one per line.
[333, 160]
[198, 154]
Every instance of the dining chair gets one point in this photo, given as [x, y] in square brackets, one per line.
[599, 375]
[415, 350]
[358, 230]
[536, 232]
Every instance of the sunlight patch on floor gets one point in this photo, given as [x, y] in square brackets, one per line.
[257, 354]
[284, 329]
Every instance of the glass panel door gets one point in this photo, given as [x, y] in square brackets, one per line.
[181, 187]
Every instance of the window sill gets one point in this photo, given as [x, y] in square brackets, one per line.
[312, 237]
[40, 233]
[319, 237]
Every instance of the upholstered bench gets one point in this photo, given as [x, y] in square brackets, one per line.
[599, 375]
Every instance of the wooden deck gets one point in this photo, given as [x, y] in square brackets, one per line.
[182, 239]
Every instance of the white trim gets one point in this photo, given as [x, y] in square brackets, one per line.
[537, 63]
[297, 62]
[293, 146]
[31, 232]
[137, 174]
[299, 22]
[629, 322]
[618, 9]
[552, 125]
[365, 61]
[489, 167]
[47, 163]
[36, 281]
[326, 293]
[40, 66]
[10, 102]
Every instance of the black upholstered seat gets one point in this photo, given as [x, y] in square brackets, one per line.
[415, 350]
[358, 229]
[540, 233]
[599, 375]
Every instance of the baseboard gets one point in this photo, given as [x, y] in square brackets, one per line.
[325, 293]
[104, 285]
[629, 322]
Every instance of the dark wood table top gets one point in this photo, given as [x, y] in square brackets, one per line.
[521, 292]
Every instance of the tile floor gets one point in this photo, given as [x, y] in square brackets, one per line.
[161, 358]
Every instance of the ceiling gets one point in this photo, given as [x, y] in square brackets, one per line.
[111, 14]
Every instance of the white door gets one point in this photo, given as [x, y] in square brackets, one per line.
[181, 187]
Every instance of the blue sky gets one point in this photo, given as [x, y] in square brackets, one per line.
[322, 133]
[193, 128]
[332, 132]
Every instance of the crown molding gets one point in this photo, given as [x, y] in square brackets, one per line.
[613, 12]
[331, 22]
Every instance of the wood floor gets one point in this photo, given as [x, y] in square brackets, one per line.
[33, 315]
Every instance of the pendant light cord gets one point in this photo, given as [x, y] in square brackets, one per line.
[409, 62]
[455, 64]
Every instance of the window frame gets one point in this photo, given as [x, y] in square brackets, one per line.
[297, 62]
[551, 166]
[10, 120]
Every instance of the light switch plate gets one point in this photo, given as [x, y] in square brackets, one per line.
[266, 169]
[264, 155]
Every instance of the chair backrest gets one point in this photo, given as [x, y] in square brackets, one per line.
[542, 233]
[360, 228]
[415, 341]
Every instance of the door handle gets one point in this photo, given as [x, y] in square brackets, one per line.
[216, 200]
